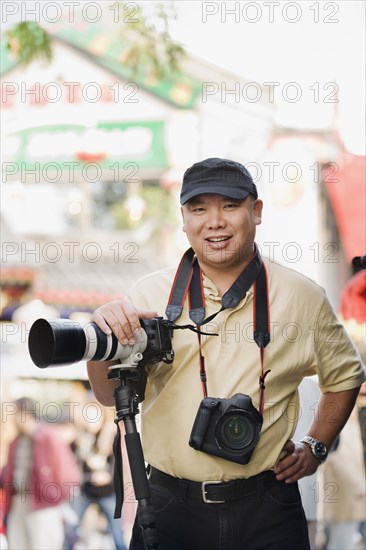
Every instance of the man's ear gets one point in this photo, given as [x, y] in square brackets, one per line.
[257, 211]
[184, 225]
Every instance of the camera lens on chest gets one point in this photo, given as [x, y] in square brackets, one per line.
[235, 431]
[227, 428]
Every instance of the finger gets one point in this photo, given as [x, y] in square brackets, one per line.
[121, 327]
[295, 476]
[292, 473]
[126, 321]
[143, 314]
[129, 317]
[100, 321]
[286, 450]
[285, 463]
[113, 316]
[291, 457]
[146, 313]
[289, 446]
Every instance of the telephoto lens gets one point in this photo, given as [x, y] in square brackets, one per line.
[63, 342]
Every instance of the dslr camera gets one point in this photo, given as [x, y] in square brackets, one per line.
[227, 428]
[62, 342]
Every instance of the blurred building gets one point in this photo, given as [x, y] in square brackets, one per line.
[93, 156]
[84, 138]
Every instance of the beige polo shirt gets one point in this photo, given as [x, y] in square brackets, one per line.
[306, 339]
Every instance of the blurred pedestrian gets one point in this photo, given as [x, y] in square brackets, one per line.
[40, 474]
[93, 448]
[344, 487]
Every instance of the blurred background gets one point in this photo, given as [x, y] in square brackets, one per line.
[103, 107]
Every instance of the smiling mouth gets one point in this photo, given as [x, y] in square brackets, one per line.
[217, 239]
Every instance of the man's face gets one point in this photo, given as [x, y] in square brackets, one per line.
[221, 230]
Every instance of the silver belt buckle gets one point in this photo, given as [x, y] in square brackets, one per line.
[205, 499]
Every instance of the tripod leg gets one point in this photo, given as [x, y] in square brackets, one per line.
[127, 408]
[141, 486]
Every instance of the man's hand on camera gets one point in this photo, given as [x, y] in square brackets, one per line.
[298, 462]
[121, 318]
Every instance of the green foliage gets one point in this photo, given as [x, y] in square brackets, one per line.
[149, 41]
[145, 35]
[28, 41]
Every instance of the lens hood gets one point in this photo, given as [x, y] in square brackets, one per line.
[57, 342]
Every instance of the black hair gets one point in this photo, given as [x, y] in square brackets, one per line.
[28, 406]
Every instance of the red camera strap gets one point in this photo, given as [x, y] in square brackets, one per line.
[188, 279]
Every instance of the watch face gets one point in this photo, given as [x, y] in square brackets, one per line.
[320, 449]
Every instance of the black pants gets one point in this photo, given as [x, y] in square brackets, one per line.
[268, 519]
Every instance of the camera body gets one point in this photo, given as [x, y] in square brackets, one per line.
[227, 428]
[159, 334]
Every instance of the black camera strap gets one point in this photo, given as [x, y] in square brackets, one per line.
[180, 286]
[188, 279]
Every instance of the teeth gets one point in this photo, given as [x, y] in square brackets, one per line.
[217, 239]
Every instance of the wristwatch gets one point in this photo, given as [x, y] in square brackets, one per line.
[318, 448]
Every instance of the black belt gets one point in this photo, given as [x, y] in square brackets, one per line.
[214, 491]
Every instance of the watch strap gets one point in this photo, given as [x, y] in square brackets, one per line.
[313, 443]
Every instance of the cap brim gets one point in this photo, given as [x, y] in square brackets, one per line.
[229, 192]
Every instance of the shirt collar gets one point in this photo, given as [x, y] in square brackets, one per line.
[211, 292]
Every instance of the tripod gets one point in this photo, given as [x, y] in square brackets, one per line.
[126, 403]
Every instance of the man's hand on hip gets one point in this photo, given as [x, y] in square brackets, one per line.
[298, 462]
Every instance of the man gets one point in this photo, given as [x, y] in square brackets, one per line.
[204, 501]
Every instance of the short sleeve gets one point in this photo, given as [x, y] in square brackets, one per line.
[339, 365]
